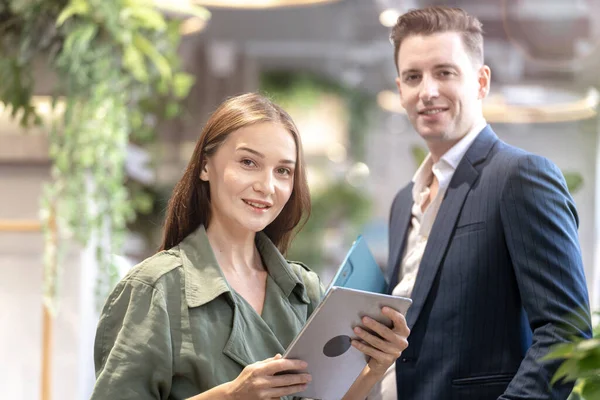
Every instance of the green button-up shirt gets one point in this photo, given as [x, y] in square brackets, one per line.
[173, 327]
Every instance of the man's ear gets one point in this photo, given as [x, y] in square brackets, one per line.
[399, 86]
[484, 79]
[204, 172]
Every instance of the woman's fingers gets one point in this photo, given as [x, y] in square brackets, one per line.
[281, 365]
[276, 393]
[289, 380]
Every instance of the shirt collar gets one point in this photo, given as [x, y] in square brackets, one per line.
[446, 165]
[204, 280]
[453, 156]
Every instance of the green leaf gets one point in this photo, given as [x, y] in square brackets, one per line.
[133, 61]
[160, 62]
[591, 389]
[419, 154]
[574, 181]
[172, 110]
[145, 16]
[75, 7]
[182, 83]
[563, 350]
[567, 372]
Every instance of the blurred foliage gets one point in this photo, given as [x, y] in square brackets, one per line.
[574, 181]
[339, 206]
[419, 153]
[305, 89]
[118, 73]
[581, 364]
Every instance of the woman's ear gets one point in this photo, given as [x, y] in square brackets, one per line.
[204, 172]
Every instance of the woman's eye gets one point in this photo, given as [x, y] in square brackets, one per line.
[247, 163]
[284, 171]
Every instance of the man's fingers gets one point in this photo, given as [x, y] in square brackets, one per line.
[377, 342]
[380, 329]
[372, 352]
[398, 319]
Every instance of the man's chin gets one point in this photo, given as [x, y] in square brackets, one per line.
[430, 134]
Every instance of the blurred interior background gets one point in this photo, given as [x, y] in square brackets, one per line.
[330, 65]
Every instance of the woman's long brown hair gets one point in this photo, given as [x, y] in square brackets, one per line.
[189, 206]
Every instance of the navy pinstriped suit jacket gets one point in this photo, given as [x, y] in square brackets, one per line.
[501, 280]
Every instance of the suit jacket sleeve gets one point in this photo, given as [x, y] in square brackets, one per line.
[540, 224]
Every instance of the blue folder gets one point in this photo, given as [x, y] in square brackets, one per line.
[360, 271]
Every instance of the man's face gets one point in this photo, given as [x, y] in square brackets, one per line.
[440, 87]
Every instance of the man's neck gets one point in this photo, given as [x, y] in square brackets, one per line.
[441, 147]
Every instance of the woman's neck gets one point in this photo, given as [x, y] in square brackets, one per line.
[233, 250]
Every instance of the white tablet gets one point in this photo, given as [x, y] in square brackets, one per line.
[324, 342]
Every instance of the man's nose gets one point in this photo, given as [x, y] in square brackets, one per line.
[429, 89]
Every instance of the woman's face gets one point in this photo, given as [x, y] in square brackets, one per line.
[251, 177]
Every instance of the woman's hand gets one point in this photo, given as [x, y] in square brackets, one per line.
[385, 349]
[259, 380]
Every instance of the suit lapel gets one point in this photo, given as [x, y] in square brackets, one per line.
[401, 213]
[445, 222]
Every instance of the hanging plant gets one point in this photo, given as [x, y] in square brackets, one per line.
[117, 72]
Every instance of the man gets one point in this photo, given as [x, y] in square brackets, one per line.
[484, 239]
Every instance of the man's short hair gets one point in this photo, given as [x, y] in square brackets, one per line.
[439, 19]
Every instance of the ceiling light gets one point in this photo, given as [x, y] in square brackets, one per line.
[389, 17]
[195, 18]
[192, 25]
[497, 110]
[259, 3]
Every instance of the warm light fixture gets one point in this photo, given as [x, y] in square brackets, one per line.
[389, 101]
[496, 108]
[192, 25]
[259, 3]
[389, 17]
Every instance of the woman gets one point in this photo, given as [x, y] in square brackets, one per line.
[209, 315]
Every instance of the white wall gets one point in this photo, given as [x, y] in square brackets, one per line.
[21, 300]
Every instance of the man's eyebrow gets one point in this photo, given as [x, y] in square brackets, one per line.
[410, 71]
[445, 65]
[261, 155]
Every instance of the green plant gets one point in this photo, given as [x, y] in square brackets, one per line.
[304, 89]
[581, 364]
[338, 206]
[116, 64]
